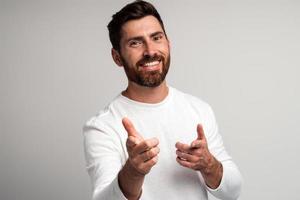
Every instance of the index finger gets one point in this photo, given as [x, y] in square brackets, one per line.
[200, 132]
[183, 147]
[129, 127]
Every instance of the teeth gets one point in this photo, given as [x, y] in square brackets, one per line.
[151, 63]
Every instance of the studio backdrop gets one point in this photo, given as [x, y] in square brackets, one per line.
[242, 57]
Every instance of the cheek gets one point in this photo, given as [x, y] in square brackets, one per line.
[165, 49]
[135, 56]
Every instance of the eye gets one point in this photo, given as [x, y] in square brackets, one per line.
[158, 37]
[135, 43]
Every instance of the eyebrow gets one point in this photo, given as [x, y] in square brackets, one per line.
[140, 38]
[156, 33]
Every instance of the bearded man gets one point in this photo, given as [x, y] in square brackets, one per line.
[154, 141]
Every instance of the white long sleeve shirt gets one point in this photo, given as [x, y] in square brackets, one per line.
[172, 120]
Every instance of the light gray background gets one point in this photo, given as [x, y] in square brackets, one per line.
[56, 72]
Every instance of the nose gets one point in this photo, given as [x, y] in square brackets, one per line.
[149, 50]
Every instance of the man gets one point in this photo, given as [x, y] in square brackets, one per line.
[153, 141]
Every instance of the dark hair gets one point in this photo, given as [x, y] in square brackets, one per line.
[135, 10]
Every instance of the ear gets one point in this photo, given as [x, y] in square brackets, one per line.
[116, 57]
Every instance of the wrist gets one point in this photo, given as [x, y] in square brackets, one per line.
[213, 173]
[212, 167]
[130, 182]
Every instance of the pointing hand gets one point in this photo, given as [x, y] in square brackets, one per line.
[197, 156]
[143, 153]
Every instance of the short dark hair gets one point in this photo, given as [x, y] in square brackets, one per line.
[135, 10]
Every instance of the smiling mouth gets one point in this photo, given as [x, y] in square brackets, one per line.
[150, 66]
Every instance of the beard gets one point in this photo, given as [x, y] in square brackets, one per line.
[147, 78]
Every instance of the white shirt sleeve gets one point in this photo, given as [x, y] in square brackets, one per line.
[103, 162]
[230, 186]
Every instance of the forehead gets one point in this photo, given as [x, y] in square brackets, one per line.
[140, 27]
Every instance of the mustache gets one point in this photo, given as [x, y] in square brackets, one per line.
[148, 58]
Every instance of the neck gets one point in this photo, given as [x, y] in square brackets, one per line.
[146, 94]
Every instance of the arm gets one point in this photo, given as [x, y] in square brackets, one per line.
[143, 155]
[103, 152]
[207, 155]
[231, 182]
[130, 181]
[103, 162]
[197, 156]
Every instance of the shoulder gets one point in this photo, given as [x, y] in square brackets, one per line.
[98, 121]
[103, 119]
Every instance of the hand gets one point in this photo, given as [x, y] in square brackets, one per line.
[197, 156]
[143, 154]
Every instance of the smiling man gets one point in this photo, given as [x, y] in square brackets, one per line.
[153, 141]
[146, 68]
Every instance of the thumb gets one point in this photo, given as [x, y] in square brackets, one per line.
[200, 131]
[129, 127]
